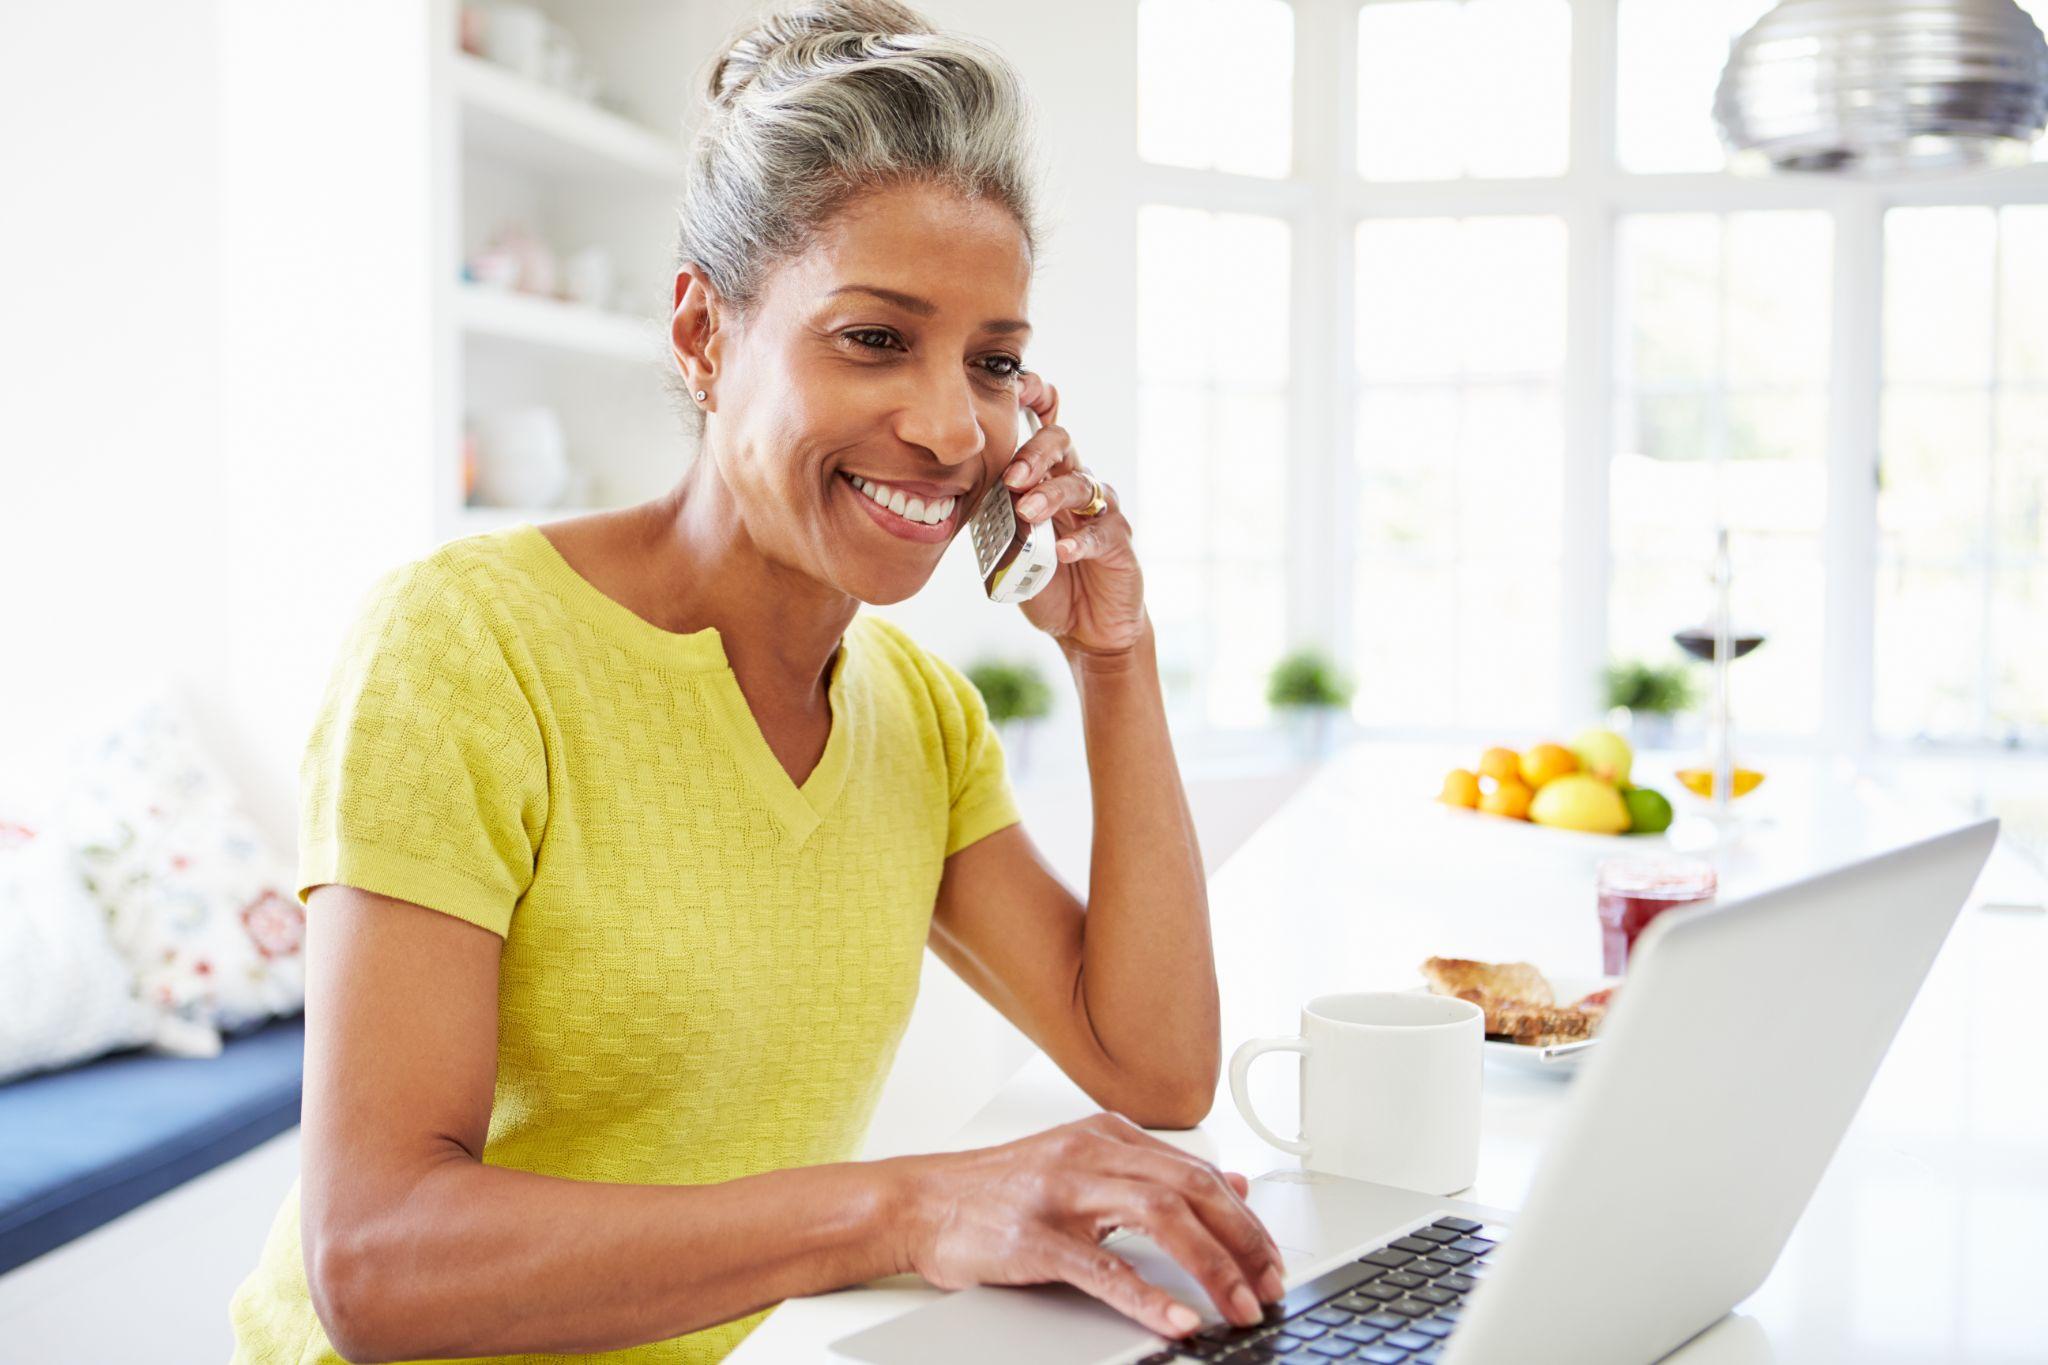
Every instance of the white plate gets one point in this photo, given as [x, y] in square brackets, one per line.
[1557, 1058]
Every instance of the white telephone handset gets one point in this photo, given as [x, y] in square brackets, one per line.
[1016, 557]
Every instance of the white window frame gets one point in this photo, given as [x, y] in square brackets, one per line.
[1324, 200]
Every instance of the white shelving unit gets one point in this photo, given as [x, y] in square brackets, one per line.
[512, 151]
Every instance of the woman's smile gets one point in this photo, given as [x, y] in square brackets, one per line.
[881, 502]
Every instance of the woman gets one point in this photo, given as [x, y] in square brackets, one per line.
[623, 837]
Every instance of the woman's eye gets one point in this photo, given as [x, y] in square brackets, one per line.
[1012, 366]
[886, 337]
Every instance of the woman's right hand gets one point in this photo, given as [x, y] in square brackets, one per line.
[1036, 1210]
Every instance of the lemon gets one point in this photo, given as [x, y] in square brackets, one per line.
[1648, 811]
[1580, 801]
[1700, 781]
[1546, 763]
[1461, 788]
[1510, 798]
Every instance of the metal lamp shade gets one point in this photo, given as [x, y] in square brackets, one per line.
[1884, 87]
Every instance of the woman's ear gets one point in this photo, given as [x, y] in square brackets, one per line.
[695, 330]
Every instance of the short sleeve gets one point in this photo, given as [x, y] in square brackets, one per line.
[982, 799]
[424, 777]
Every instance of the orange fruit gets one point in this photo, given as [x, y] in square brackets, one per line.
[1546, 762]
[1510, 798]
[1501, 764]
[1461, 788]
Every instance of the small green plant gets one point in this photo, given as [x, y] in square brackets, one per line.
[1012, 691]
[1307, 677]
[1646, 688]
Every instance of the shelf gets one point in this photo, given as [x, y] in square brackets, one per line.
[537, 321]
[508, 116]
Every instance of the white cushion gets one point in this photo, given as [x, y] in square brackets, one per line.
[65, 994]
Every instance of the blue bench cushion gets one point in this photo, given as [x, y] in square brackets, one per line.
[82, 1146]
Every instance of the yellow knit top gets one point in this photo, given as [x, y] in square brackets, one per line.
[706, 966]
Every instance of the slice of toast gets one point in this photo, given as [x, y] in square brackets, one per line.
[1481, 982]
[1517, 998]
[1542, 1025]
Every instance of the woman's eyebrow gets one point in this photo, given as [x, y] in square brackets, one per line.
[924, 308]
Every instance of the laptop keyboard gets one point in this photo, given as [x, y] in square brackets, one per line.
[1397, 1303]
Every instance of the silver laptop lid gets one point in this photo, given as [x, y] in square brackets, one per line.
[1729, 1070]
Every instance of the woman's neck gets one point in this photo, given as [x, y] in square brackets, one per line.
[780, 628]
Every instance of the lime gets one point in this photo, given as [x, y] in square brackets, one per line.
[1648, 811]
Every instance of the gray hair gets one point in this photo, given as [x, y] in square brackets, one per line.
[814, 105]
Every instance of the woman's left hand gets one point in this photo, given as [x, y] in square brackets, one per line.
[1095, 603]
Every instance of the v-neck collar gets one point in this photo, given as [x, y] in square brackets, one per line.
[700, 654]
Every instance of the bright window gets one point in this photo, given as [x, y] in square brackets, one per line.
[1463, 87]
[1459, 451]
[1212, 451]
[1458, 379]
[1722, 419]
[1188, 51]
[1962, 595]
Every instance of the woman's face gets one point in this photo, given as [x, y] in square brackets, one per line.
[888, 352]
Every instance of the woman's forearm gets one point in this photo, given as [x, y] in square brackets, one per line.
[488, 1260]
[1148, 972]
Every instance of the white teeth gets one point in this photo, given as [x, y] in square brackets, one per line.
[909, 508]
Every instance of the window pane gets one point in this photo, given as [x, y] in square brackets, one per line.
[2019, 679]
[1671, 277]
[1937, 295]
[1778, 292]
[1477, 296]
[1722, 398]
[1930, 643]
[2020, 500]
[1188, 50]
[1459, 466]
[1933, 462]
[2023, 292]
[1212, 488]
[1963, 493]
[1448, 88]
[1670, 58]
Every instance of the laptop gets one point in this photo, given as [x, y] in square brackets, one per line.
[1728, 1070]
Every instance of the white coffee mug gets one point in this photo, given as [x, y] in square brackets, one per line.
[1389, 1088]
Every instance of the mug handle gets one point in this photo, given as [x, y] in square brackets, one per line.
[1240, 1065]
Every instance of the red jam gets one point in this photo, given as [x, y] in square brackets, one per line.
[1634, 891]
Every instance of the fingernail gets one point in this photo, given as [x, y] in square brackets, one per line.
[1272, 1286]
[1183, 1318]
[1015, 475]
[1032, 505]
[1247, 1307]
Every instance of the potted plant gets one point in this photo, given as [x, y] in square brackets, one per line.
[1642, 698]
[1307, 688]
[1017, 696]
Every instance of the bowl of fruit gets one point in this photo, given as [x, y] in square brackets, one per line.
[1582, 786]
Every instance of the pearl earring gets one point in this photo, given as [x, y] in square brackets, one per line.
[700, 395]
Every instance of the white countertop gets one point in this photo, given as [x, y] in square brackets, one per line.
[1927, 1239]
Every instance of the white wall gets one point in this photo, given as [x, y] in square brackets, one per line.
[112, 552]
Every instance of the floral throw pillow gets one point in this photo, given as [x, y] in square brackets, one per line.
[196, 900]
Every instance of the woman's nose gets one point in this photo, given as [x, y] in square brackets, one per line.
[942, 418]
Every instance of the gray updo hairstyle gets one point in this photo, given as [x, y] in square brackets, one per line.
[816, 104]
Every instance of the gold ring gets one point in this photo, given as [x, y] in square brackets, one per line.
[1096, 504]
